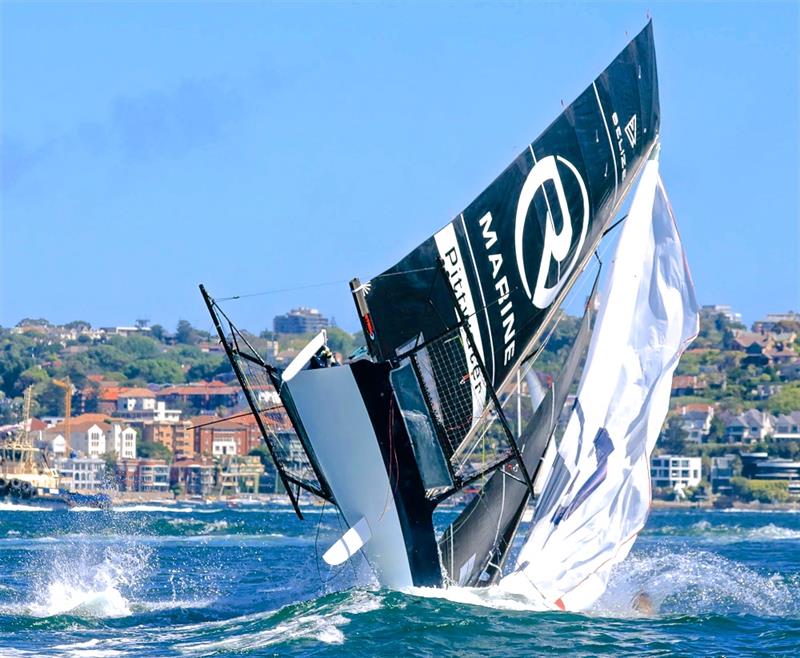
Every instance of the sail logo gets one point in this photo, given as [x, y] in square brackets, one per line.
[623, 157]
[630, 131]
[558, 244]
[450, 253]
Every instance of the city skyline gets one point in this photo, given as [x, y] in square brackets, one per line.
[256, 149]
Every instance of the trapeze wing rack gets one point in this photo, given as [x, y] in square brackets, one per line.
[446, 377]
[295, 469]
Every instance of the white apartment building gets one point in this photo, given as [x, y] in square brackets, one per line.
[82, 474]
[122, 440]
[671, 471]
[90, 435]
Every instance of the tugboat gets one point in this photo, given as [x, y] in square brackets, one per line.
[26, 476]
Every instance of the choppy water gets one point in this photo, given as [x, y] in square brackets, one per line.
[153, 580]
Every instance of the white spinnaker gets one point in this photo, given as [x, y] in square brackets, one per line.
[647, 318]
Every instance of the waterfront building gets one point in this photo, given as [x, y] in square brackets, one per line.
[722, 472]
[300, 321]
[143, 475]
[671, 471]
[240, 475]
[196, 477]
[121, 439]
[82, 474]
[177, 437]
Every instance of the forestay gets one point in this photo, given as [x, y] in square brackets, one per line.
[597, 497]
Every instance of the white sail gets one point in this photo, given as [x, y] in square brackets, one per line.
[598, 494]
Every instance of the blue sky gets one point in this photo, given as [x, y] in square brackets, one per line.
[148, 147]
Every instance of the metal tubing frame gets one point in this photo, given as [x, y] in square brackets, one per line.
[285, 478]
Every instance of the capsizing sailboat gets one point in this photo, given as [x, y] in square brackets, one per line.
[399, 428]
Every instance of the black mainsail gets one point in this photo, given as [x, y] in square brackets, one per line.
[514, 252]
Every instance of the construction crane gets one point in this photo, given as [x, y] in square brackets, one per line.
[66, 384]
[26, 415]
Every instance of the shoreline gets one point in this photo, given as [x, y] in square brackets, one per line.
[737, 505]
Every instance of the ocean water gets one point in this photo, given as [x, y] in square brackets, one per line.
[209, 580]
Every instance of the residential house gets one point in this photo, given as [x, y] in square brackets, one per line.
[126, 331]
[696, 420]
[219, 436]
[722, 309]
[787, 427]
[687, 385]
[764, 390]
[751, 426]
[789, 371]
[87, 436]
[774, 320]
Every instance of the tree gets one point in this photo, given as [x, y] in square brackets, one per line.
[161, 371]
[153, 450]
[763, 491]
[673, 440]
[185, 333]
[78, 325]
[158, 332]
[786, 400]
[31, 377]
[717, 430]
[206, 369]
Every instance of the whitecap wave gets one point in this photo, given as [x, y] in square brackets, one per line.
[706, 531]
[694, 582]
[323, 624]
[158, 508]
[20, 507]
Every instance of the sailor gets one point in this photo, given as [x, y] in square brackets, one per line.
[643, 604]
[324, 358]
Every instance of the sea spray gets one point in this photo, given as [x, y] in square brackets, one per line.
[693, 582]
[83, 581]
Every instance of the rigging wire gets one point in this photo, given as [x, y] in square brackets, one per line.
[241, 415]
[279, 290]
[319, 285]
